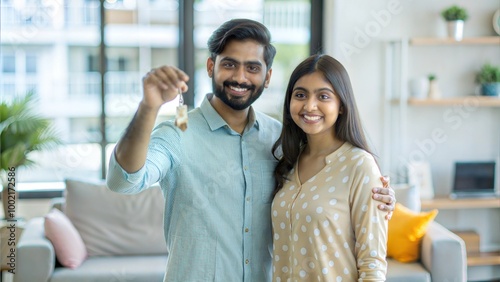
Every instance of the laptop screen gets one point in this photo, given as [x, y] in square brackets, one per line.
[474, 177]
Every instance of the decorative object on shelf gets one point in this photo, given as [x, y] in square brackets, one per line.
[419, 87]
[488, 78]
[419, 175]
[434, 92]
[21, 131]
[455, 17]
[496, 21]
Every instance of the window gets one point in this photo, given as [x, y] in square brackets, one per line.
[31, 63]
[19, 72]
[8, 63]
[139, 35]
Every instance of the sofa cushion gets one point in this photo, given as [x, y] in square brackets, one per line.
[408, 195]
[68, 244]
[116, 224]
[118, 268]
[405, 231]
[407, 272]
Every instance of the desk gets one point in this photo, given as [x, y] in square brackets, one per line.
[475, 259]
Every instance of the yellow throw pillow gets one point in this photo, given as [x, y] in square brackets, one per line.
[405, 232]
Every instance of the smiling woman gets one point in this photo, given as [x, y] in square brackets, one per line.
[324, 175]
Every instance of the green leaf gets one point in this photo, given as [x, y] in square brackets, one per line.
[13, 157]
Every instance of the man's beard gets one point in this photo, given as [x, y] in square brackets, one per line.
[236, 103]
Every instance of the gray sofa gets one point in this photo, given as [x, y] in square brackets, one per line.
[123, 235]
[443, 253]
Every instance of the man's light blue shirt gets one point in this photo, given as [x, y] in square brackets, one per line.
[218, 186]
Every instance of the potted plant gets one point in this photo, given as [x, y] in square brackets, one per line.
[455, 17]
[489, 79]
[22, 131]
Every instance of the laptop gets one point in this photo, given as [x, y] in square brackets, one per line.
[474, 179]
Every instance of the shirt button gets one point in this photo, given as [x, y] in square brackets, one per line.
[247, 261]
[245, 168]
[246, 230]
[248, 199]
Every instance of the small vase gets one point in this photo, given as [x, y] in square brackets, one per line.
[434, 92]
[490, 89]
[456, 30]
[419, 87]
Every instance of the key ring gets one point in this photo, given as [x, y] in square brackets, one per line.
[181, 100]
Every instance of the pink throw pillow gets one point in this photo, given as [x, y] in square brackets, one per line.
[68, 244]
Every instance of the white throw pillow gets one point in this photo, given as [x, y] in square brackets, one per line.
[116, 224]
[408, 195]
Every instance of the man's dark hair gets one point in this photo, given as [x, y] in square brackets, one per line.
[242, 29]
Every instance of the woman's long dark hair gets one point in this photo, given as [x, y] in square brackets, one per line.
[347, 127]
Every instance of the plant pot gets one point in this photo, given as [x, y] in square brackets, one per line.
[434, 91]
[456, 30]
[490, 89]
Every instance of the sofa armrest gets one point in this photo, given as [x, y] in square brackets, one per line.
[35, 254]
[440, 248]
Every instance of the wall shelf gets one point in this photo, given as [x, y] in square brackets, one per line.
[470, 203]
[483, 258]
[480, 101]
[485, 40]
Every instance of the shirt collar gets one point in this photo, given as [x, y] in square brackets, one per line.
[215, 121]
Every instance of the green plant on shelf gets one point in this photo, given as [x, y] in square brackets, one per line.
[455, 13]
[488, 74]
[489, 79]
